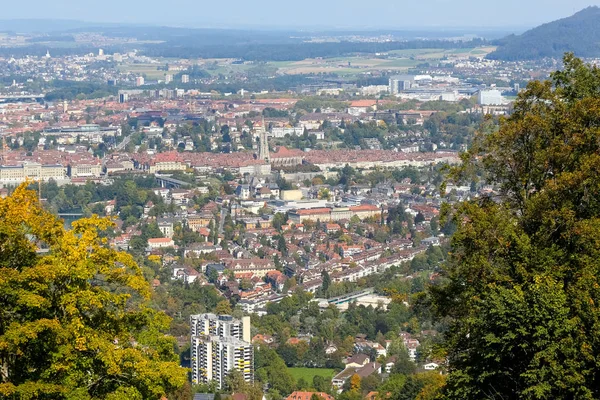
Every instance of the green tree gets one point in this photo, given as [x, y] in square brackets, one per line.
[279, 219]
[235, 383]
[522, 284]
[370, 383]
[223, 308]
[419, 218]
[76, 322]
[282, 245]
[302, 384]
[272, 368]
[326, 281]
[321, 384]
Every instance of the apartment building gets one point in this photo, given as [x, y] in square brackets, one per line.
[220, 343]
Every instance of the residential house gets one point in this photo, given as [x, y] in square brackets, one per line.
[297, 395]
[158, 243]
[364, 371]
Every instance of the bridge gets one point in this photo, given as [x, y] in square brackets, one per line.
[16, 98]
[170, 183]
[70, 215]
[348, 298]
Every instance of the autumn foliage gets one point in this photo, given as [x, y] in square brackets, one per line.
[74, 318]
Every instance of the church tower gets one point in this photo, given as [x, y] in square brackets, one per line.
[263, 146]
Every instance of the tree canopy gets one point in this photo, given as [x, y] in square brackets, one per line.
[75, 321]
[522, 285]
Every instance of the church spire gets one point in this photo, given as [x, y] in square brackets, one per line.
[264, 143]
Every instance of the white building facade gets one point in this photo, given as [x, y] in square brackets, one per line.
[220, 344]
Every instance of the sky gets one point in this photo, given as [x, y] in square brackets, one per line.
[357, 14]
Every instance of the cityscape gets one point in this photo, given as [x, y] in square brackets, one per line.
[201, 213]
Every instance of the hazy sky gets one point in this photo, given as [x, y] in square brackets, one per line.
[304, 13]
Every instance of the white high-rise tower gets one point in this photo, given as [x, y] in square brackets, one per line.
[220, 344]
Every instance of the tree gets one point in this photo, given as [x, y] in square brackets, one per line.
[223, 308]
[326, 281]
[419, 218]
[370, 383]
[394, 384]
[246, 284]
[324, 194]
[434, 225]
[213, 275]
[279, 219]
[282, 245]
[355, 383]
[288, 353]
[76, 322]
[321, 384]
[301, 384]
[521, 283]
[403, 363]
[272, 367]
[235, 383]
[432, 384]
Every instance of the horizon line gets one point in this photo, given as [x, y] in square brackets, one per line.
[296, 28]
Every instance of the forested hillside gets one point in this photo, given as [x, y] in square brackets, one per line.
[579, 34]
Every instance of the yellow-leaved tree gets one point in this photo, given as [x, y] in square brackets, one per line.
[75, 322]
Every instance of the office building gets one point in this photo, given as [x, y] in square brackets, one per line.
[168, 78]
[139, 81]
[492, 97]
[400, 83]
[185, 78]
[220, 343]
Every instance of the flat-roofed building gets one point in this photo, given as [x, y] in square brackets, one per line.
[220, 344]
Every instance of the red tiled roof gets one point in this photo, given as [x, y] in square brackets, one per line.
[298, 395]
[314, 211]
[364, 207]
[363, 103]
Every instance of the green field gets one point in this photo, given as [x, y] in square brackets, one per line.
[398, 60]
[432, 54]
[308, 373]
[150, 70]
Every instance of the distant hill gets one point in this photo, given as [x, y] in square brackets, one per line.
[39, 25]
[579, 33]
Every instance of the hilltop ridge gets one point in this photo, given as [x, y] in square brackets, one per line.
[579, 33]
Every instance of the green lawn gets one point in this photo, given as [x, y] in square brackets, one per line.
[308, 373]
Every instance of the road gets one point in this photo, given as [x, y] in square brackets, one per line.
[124, 143]
[222, 221]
